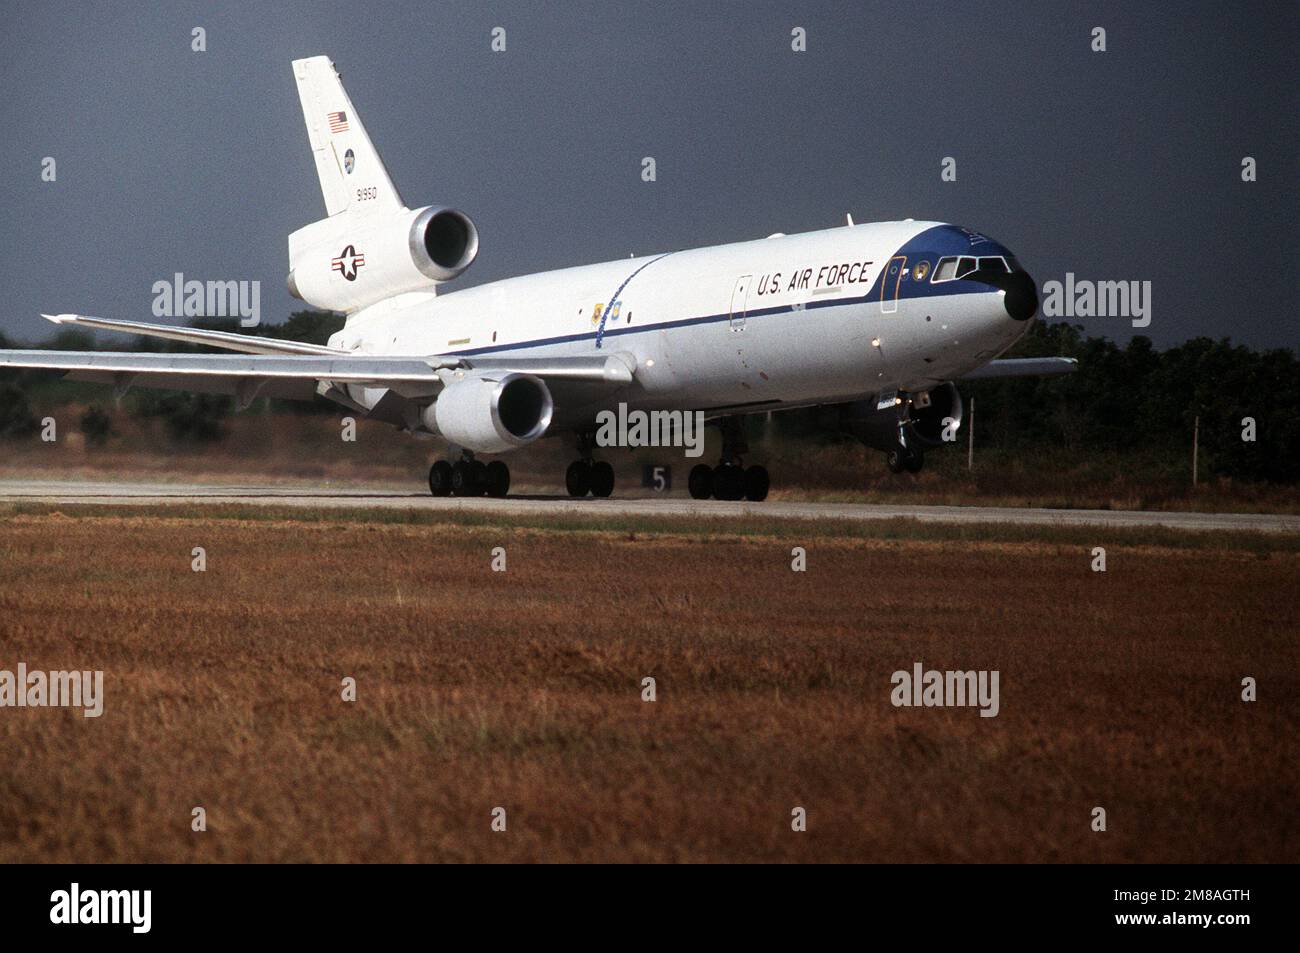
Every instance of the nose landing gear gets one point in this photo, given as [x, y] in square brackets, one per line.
[900, 459]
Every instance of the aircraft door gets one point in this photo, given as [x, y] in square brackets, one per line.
[890, 279]
[739, 299]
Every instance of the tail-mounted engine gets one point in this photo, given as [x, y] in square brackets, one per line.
[353, 260]
[905, 420]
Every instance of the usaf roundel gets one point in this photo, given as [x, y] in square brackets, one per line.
[349, 162]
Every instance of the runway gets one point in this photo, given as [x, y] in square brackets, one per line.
[315, 496]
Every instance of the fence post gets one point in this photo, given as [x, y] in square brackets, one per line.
[1196, 448]
[970, 438]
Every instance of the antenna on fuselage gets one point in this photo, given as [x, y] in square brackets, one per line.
[848, 219]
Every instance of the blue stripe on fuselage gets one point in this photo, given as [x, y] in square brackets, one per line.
[948, 288]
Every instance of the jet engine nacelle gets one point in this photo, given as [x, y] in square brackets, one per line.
[489, 414]
[351, 261]
[915, 420]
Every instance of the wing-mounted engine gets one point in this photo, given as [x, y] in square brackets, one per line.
[353, 260]
[906, 420]
[491, 412]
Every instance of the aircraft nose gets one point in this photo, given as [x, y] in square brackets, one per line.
[1020, 294]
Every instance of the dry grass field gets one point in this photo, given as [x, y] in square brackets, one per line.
[522, 689]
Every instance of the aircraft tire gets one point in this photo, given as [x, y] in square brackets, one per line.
[462, 479]
[577, 479]
[757, 483]
[440, 478]
[728, 482]
[602, 479]
[478, 478]
[700, 482]
[496, 479]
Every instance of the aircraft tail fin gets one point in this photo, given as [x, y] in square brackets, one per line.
[352, 175]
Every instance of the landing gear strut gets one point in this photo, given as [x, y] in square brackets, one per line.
[586, 475]
[730, 479]
[469, 477]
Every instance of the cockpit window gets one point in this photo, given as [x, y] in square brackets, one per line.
[953, 267]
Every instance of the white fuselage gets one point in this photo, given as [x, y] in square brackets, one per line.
[821, 317]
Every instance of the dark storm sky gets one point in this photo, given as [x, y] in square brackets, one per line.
[1116, 165]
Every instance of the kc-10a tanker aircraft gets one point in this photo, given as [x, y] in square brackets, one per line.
[876, 321]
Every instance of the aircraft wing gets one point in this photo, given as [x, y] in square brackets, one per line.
[230, 341]
[298, 376]
[1024, 367]
[280, 363]
[613, 367]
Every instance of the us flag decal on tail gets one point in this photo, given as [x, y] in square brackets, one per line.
[338, 121]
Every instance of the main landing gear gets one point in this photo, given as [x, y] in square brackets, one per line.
[586, 475]
[469, 477]
[730, 479]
